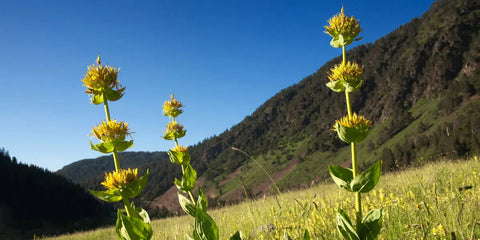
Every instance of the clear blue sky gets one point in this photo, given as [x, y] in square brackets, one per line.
[221, 58]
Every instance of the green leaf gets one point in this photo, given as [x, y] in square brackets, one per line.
[350, 134]
[140, 213]
[188, 179]
[132, 228]
[123, 145]
[180, 134]
[110, 195]
[175, 134]
[205, 226]
[237, 236]
[169, 136]
[337, 41]
[336, 86]
[187, 205]
[181, 158]
[344, 226]
[113, 95]
[97, 99]
[285, 236]
[366, 181]
[102, 147]
[306, 235]
[342, 176]
[202, 201]
[371, 225]
[134, 188]
[353, 86]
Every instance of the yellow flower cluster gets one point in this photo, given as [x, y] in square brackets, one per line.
[348, 72]
[180, 148]
[173, 127]
[110, 131]
[120, 178]
[100, 79]
[344, 25]
[172, 107]
[355, 121]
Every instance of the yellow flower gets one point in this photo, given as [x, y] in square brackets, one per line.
[345, 77]
[353, 122]
[173, 127]
[439, 230]
[118, 179]
[348, 72]
[180, 148]
[352, 129]
[110, 131]
[101, 79]
[344, 29]
[172, 107]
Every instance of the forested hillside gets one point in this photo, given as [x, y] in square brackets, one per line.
[36, 201]
[421, 89]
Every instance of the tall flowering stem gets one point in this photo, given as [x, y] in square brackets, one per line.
[352, 128]
[121, 184]
[205, 227]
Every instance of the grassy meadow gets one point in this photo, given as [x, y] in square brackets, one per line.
[439, 200]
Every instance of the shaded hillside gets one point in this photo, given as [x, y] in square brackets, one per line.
[421, 89]
[36, 201]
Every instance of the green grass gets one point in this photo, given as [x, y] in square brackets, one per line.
[419, 203]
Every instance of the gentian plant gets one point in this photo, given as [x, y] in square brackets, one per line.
[205, 227]
[122, 184]
[352, 129]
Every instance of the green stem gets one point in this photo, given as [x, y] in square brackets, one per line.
[107, 114]
[349, 106]
[105, 104]
[192, 198]
[127, 207]
[358, 199]
[116, 160]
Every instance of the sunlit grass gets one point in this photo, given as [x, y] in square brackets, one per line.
[421, 203]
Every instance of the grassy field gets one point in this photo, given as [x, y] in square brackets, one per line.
[437, 201]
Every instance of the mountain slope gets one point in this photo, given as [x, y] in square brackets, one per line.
[418, 81]
[421, 89]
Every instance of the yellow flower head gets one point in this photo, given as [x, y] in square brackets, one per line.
[111, 131]
[180, 148]
[344, 29]
[118, 179]
[173, 131]
[349, 72]
[353, 122]
[100, 79]
[172, 107]
[345, 77]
